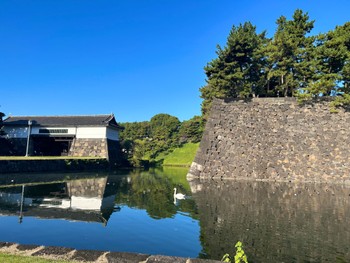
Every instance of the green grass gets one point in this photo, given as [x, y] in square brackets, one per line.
[23, 158]
[182, 156]
[26, 259]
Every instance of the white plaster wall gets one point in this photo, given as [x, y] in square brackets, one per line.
[91, 132]
[71, 130]
[112, 134]
[80, 132]
[55, 203]
[16, 132]
[83, 203]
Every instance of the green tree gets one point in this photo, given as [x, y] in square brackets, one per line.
[329, 62]
[191, 130]
[292, 63]
[135, 142]
[332, 68]
[142, 142]
[236, 72]
[141, 152]
[135, 130]
[163, 126]
[164, 132]
[289, 54]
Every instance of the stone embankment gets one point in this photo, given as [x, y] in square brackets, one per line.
[274, 139]
[91, 255]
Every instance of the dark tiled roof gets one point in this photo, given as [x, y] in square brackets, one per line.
[92, 120]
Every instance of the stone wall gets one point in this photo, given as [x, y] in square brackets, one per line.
[89, 147]
[105, 148]
[274, 139]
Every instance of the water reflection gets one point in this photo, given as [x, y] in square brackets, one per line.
[135, 209]
[277, 222]
[153, 191]
[90, 200]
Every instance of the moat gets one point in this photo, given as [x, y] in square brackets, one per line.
[135, 211]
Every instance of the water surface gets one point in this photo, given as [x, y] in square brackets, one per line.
[135, 211]
[129, 211]
[277, 222]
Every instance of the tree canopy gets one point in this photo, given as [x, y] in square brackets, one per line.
[289, 53]
[144, 142]
[236, 71]
[292, 63]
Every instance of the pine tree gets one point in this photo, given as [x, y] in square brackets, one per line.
[236, 72]
[292, 63]
[289, 54]
[332, 65]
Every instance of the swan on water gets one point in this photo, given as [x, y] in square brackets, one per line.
[178, 195]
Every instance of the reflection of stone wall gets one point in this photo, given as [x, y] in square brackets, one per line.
[277, 222]
[274, 138]
[89, 147]
[94, 187]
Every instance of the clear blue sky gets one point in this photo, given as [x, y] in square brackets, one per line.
[135, 58]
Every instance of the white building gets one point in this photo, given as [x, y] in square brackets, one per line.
[92, 136]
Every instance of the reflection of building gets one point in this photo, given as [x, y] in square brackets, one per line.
[95, 136]
[81, 200]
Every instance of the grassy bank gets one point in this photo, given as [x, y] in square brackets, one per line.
[182, 156]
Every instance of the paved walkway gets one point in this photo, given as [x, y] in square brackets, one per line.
[92, 255]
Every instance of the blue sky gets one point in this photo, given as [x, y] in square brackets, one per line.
[135, 58]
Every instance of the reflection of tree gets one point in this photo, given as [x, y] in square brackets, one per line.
[153, 191]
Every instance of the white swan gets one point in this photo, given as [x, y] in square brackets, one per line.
[178, 195]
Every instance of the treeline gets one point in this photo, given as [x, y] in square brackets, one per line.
[291, 63]
[146, 143]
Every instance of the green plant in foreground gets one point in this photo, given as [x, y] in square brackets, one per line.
[240, 255]
[226, 258]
